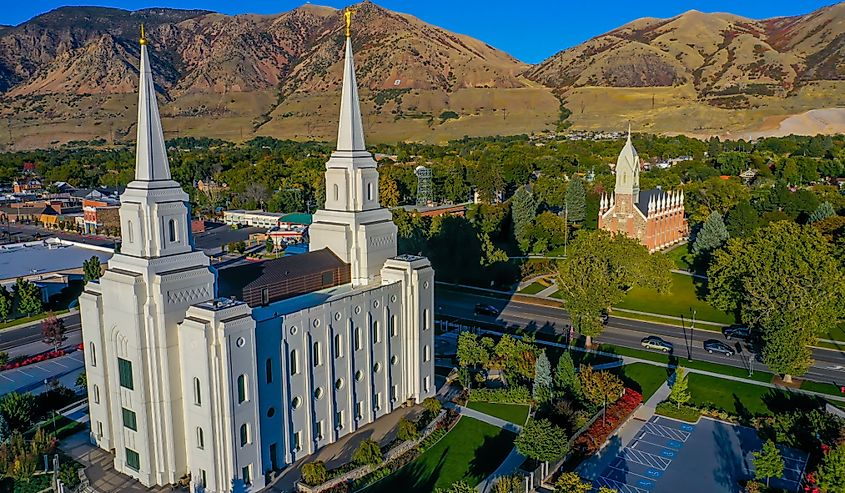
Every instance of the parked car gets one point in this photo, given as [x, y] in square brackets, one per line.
[604, 318]
[654, 342]
[489, 310]
[714, 346]
[737, 332]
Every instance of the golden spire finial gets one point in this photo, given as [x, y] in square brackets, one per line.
[348, 15]
[143, 39]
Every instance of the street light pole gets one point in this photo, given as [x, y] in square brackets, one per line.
[692, 334]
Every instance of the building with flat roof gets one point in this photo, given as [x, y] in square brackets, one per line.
[303, 351]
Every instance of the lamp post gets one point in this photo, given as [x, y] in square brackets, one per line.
[691, 335]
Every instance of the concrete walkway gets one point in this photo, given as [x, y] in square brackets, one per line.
[548, 292]
[595, 465]
[510, 464]
[616, 311]
[491, 420]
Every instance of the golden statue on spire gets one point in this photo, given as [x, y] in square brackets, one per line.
[347, 14]
[143, 39]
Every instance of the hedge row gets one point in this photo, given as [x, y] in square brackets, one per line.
[510, 395]
[684, 413]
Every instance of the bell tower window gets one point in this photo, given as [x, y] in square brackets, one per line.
[370, 191]
[171, 228]
[336, 192]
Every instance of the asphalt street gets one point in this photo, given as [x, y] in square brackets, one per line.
[829, 365]
[27, 339]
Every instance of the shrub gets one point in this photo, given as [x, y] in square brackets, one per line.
[314, 473]
[510, 395]
[368, 452]
[541, 440]
[407, 430]
[18, 410]
[509, 484]
[570, 482]
[683, 413]
[592, 439]
[432, 405]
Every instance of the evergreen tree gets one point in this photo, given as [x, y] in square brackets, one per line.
[576, 201]
[523, 211]
[822, 212]
[711, 236]
[742, 220]
[679, 393]
[91, 268]
[542, 379]
[5, 303]
[28, 296]
[831, 475]
[565, 377]
[542, 441]
[768, 463]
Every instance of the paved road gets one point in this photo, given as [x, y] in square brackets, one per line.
[28, 232]
[829, 364]
[27, 339]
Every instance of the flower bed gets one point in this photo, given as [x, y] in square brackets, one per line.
[33, 359]
[593, 439]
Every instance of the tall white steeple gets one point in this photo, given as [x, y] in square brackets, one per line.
[628, 170]
[150, 154]
[353, 224]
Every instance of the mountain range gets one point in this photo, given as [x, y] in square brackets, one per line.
[70, 74]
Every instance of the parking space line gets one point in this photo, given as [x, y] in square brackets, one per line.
[619, 486]
[670, 444]
[666, 432]
[628, 471]
[644, 458]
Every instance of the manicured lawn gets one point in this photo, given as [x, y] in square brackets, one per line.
[532, 288]
[515, 413]
[744, 399]
[681, 257]
[824, 388]
[687, 294]
[837, 333]
[470, 452]
[642, 377]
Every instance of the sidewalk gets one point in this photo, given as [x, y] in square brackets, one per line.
[593, 467]
[491, 420]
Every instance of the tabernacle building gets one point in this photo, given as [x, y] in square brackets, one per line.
[654, 217]
[228, 375]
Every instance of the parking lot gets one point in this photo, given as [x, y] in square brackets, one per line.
[711, 456]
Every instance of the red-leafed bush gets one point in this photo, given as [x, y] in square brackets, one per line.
[33, 359]
[590, 441]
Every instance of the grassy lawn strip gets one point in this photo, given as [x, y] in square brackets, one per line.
[515, 413]
[34, 318]
[687, 294]
[823, 388]
[745, 399]
[837, 333]
[532, 288]
[642, 377]
[684, 413]
[470, 452]
[681, 257]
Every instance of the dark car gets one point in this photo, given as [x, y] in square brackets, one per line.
[604, 318]
[714, 346]
[654, 342]
[482, 309]
[737, 332]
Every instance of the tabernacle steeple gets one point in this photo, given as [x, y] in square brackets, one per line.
[350, 132]
[150, 154]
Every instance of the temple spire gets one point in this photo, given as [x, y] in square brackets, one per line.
[350, 132]
[150, 153]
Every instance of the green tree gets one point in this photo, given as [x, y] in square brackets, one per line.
[406, 430]
[542, 389]
[368, 452]
[5, 303]
[599, 269]
[742, 220]
[432, 406]
[517, 357]
[28, 296]
[458, 487]
[388, 191]
[471, 351]
[91, 268]
[713, 234]
[576, 201]
[679, 394]
[18, 410]
[831, 474]
[314, 473]
[571, 482]
[82, 381]
[785, 283]
[824, 211]
[768, 463]
[566, 378]
[600, 387]
[542, 441]
[523, 212]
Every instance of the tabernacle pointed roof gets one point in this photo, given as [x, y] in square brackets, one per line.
[350, 131]
[150, 154]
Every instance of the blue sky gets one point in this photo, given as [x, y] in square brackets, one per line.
[529, 30]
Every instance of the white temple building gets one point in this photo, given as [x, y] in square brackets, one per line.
[228, 375]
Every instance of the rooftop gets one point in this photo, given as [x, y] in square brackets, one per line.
[46, 256]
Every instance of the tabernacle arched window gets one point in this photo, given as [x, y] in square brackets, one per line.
[336, 192]
[171, 228]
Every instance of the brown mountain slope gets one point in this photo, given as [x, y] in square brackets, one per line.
[724, 57]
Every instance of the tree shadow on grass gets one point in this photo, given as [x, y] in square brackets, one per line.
[413, 478]
[489, 456]
[779, 401]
